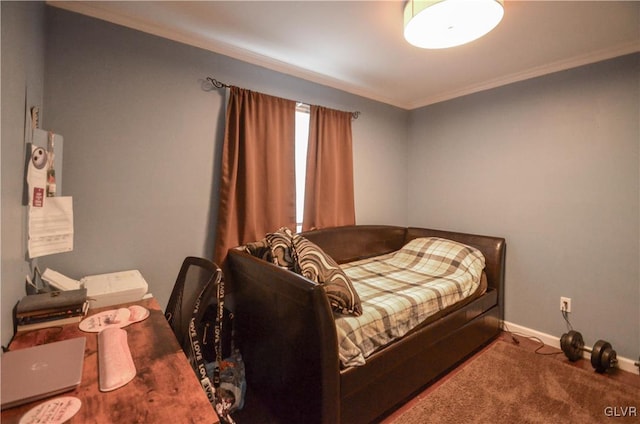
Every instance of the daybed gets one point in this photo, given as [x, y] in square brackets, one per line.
[286, 331]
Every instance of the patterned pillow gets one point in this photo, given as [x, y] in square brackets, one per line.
[280, 247]
[317, 266]
[259, 249]
[295, 253]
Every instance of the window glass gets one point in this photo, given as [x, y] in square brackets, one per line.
[302, 140]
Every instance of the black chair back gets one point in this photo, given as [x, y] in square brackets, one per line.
[197, 277]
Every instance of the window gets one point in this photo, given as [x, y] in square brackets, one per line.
[302, 141]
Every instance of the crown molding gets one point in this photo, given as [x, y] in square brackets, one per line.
[561, 65]
[94, 10]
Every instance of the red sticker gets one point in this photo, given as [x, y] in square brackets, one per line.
[38, 196]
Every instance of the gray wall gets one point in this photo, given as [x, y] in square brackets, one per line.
[551, 164]
[143, 142]
[22, 87]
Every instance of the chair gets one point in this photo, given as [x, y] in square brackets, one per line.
[197, 277]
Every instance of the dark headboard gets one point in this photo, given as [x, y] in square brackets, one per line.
[350, 243]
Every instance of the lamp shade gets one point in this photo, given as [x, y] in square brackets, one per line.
[448, 23]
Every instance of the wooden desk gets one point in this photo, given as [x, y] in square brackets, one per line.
[165, 388]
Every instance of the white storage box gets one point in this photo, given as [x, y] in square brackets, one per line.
[114, 288]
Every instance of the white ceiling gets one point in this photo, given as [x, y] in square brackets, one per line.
[358, 47]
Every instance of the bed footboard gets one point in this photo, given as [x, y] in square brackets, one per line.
[287, 336]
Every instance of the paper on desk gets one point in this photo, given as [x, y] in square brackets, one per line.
[51, 227]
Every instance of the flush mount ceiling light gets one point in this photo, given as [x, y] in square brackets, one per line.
[447, 23]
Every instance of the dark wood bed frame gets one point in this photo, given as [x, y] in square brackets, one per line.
[286, 333]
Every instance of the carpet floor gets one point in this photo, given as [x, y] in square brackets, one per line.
[506, 384]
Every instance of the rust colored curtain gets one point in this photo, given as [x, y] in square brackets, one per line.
[257, 189]
[329, 181]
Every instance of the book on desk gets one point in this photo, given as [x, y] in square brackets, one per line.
[51, 309]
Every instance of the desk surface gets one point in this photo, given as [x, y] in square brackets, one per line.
[165, 388]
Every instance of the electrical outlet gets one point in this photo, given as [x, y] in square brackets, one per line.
[565, 304]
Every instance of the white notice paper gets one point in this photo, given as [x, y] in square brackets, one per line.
[51, 227]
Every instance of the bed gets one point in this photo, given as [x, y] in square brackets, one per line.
[288, 329]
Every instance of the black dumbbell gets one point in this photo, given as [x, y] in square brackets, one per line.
[603, 356]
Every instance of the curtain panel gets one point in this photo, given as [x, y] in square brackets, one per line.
[329, 198]
[257, 189]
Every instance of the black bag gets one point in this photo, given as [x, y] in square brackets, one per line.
[226, 394]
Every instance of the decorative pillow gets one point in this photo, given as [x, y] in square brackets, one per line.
[297, 254]
[280, 247]
[317, 266]
[259, 249]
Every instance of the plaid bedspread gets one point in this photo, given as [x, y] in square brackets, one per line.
[401, 289]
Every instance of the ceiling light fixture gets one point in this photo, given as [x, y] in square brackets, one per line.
[447, 23]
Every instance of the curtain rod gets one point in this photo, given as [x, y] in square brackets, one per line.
[217, 84]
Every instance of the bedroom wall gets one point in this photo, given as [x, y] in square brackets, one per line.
[143, 142]
[22, 87]
[552, 165]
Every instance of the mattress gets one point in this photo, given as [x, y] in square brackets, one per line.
[401, 290]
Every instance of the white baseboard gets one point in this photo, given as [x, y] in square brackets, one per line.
[624, 364]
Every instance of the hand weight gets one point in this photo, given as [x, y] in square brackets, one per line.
[603, 356]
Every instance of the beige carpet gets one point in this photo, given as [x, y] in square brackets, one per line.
[506, 384]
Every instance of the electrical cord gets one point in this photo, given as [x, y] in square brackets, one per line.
[537, 351]
[565, 315]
